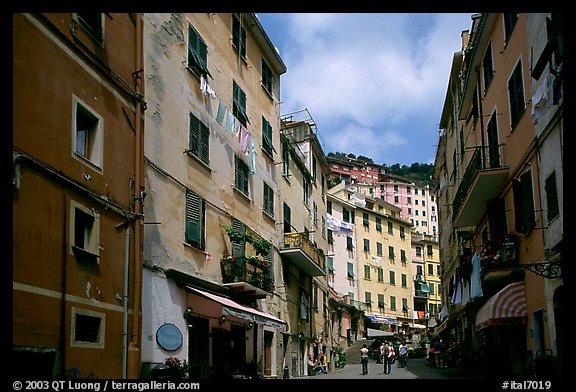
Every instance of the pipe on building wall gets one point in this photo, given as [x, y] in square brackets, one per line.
[63, 291]
[138, 163]
[125, 304]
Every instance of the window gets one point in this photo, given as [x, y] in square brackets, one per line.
[329, 207]
[285, 160]
[267, 144]
[287, 222]
[268, 200]
[392, 277]
[88, 134]
[315, 213]
[349, 245]
[524, 203]
[366, 245]
[429, 250]
[381, 300]
[509, 23]
[391, 252]
[330, 264]
[365, 220]
[404, 279]
[380, 272]
[378, 249]
[199, 144]
[409, 200]
[345, 215]
[404, 305]
[379, 225]
[85, 232]
[93, 24]
[366, 271]
[390, 228]
[306, 188]
[403, 258]
[242, 175]
[368, 298]
[239, 104]
[430, 269]
[267, 77]
[350, 270]
[392, 303]
[516, 95]
[551, 197]
[195, 218]
[238, 36]
[396, 200]
[419, 251]
[431, 287]
[402, 233]
[487, 68]
[88, 328]
[197, 53]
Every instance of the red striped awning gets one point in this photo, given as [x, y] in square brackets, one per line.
[506, 307]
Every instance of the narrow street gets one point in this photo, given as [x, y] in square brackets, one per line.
[416, 369]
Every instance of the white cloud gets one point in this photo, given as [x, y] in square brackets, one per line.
[362, 72]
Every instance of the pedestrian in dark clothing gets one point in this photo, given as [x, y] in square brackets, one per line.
[403, 351]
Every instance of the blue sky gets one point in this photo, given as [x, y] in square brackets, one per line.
[374, 83]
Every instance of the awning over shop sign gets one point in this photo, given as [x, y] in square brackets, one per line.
[506, 307]
[232, 308]
[376, 318]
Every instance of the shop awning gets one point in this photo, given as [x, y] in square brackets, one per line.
[442, 326]
[418, 326]
[234, 309]
[371, 332]
[376, 318]
[506, 307]
[423, 286]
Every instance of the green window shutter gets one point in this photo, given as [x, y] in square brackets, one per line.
[241, 175]
[350, 270]
[330, 264]
[193, 218]
[239, 247]
[268, 200]
[197, 52]
[199, 139]
[239, 104]
[287, 221]
[551, 197]
[238, 36]
[267, 135]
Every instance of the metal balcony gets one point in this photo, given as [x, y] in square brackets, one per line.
[298, 249]
[483, 179]
[246, 278]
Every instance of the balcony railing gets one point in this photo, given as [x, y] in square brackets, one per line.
[248, 270]
[302, 252]
[482, 180]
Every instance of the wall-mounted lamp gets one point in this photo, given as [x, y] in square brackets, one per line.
[249, 326]
[188, 312]
[222, 320]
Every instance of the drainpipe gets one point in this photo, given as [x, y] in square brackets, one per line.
[63, 297]
[125, 303]
[138, 158]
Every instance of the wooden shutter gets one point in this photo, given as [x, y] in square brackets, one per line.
[239, 247]
[193, 218]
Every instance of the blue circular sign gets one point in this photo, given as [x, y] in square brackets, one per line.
[169, 337]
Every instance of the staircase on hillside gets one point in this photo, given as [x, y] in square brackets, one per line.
[353, 352]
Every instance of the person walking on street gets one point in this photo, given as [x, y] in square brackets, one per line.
[389, 358]
[403, 351]
[438, 353]
[364, 359]
[383, 355]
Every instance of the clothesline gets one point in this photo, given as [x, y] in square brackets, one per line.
[231, 123]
